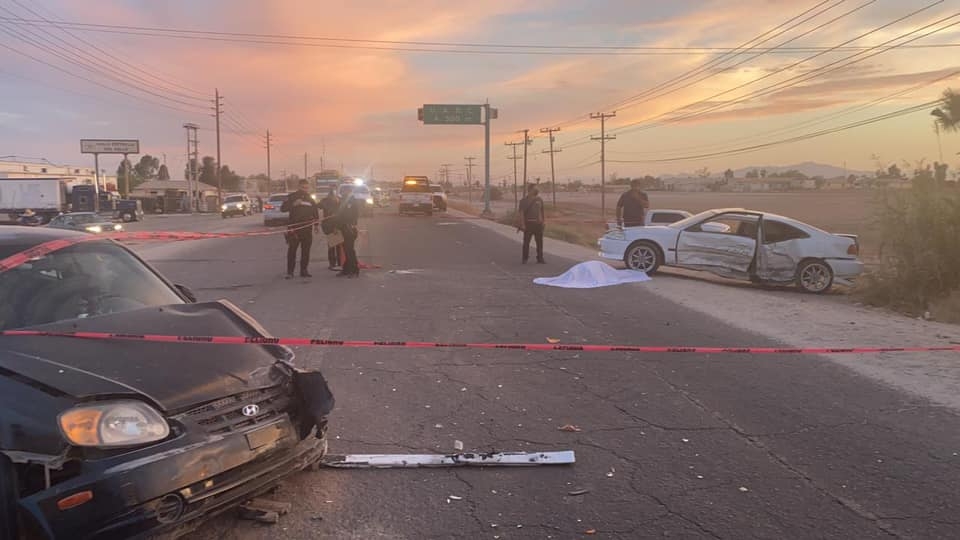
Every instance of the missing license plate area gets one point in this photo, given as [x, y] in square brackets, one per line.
[264, 436]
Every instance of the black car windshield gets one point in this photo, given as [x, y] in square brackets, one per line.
[84, 280]
[234, 198]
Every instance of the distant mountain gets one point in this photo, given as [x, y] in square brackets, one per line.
[808, 168]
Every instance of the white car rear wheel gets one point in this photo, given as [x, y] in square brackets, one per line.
[815, 276]
[643, 256]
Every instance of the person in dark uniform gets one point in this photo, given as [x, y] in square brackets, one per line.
[532, 219]
[304, 219]
[330, 205]
[346, 220]
[632, 207]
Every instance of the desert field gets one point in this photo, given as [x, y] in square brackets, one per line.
[850, 212]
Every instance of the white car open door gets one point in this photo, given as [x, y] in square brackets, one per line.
[780, 250]
[725, 244]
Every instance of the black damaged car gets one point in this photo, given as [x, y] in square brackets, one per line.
[121, 439]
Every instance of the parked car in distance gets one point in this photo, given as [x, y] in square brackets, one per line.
[132, 439]
[129, 210]
[439, 197]
[361, 192]
[89, 222]
[659, 217]
[272, 213]
[237, 204]
[741, 244]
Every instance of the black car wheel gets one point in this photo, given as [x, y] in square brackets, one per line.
[127, 217]
[8, 500]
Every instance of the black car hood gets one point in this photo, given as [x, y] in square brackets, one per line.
[174, 376]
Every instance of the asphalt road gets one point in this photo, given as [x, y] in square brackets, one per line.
[680, 446]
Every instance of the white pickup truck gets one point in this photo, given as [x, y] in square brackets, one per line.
[416, 195]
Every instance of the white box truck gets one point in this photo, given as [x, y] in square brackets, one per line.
[45, 196]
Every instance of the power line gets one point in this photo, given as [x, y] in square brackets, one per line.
[406, 46]
[603, 138]
[796, 80]
[749, 45]
[168, 86]
[812, 122]
[43, 44]
[753, 148]
[91, 81]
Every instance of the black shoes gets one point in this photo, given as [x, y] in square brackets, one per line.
[541, 261]
[305, 274]
[288, 276]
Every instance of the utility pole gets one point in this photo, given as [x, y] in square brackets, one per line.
[304, 165]
[469, 161]
[269, 179]
[218, 107]
[527, 141]
[553, 174]
[516, 201]
[193, 157]
[445, 172]
[603, 138]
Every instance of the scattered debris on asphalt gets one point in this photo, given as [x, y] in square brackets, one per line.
[590, 531]
[570, 428]
[743, 489]
[553, 340]
[454, 498]
[407, 461]
[610, 472]
[578, 492]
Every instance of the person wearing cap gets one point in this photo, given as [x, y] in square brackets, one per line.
[531, 222]
[304, 220]
[632, 207]
[29, 217]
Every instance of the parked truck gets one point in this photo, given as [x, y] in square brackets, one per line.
[45, 196]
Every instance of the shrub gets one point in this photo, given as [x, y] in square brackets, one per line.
[920, 248]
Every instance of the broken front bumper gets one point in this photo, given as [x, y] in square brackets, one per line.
[172, 487]
[207, 467]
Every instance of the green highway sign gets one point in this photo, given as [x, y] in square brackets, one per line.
[451, 114]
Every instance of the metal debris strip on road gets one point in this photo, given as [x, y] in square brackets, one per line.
[469, 459]
[538, 347]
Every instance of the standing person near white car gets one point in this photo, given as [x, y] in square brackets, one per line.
[632, 206]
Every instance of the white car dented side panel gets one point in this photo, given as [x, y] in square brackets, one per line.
[722, 253]
[778, 262]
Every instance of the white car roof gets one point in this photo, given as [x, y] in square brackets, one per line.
[769, 215]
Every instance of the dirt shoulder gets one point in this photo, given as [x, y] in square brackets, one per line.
[802, 320]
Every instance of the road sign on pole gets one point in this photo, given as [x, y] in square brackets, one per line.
[452, 114]
[109, 146]
[434, 114]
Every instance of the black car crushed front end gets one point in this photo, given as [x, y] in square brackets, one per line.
[240, 419]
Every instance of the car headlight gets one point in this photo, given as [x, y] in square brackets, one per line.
[615, 235]
[240, 206]
[117, 227]
[224, 207]
[369, 200]
[117, 423]
[95, 229]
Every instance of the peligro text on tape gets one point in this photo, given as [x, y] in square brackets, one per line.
[540, 347]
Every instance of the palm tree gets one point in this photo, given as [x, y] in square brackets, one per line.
[948, 113]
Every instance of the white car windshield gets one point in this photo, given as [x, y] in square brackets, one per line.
[234, 198]
[696, 218]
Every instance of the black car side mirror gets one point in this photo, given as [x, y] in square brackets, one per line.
[186, 292]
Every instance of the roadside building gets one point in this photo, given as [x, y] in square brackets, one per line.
[166, 196]
[70, 174]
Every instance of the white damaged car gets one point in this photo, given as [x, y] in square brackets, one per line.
[741, 244]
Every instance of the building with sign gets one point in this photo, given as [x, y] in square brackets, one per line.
[70, 174]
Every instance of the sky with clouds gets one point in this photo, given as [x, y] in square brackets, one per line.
[357, 106]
